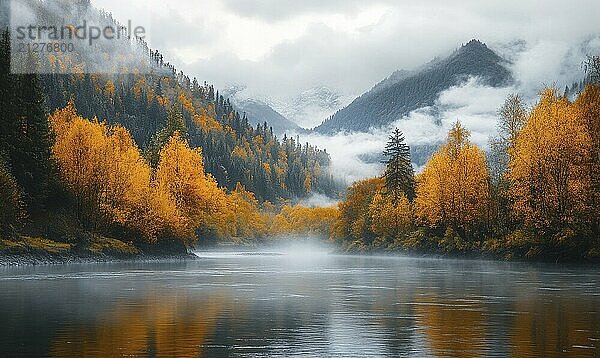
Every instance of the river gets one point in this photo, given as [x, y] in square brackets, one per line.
[300, 303]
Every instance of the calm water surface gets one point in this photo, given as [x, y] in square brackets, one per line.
[305, 304]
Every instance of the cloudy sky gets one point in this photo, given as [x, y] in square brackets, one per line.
[280, 48]
[285, 46]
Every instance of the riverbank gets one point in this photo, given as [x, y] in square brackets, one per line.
[39, 251]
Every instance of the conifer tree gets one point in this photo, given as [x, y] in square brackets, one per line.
[399, 174]
[11, 211]
[24, 133]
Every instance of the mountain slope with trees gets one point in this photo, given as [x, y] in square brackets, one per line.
[152, 157]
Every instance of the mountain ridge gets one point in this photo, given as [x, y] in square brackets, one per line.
[405, 91]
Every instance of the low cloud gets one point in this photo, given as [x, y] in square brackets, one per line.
[318, 201]
[474, 104]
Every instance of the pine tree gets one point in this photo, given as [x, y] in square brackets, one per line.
[399, 174]
[24, 134]
[175, 123]
[31, 160]
[11, 211]
[592, 68]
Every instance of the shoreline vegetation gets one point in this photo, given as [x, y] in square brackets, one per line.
[38, 251]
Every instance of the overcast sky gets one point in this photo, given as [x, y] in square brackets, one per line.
[281, 47]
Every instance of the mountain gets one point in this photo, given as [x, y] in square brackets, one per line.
[259, 112]
[310, 105]
[406, 91]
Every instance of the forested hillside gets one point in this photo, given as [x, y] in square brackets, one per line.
[153, 103]
[406, 91]
[149, 156]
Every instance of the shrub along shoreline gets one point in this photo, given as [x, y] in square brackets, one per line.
[98, 249]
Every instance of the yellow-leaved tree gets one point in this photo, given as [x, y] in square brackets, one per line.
[102, 167]
[354, 221]
[389, 220]
[180, 174]
[452, 190]
[551, 163]
[304, 221]
[115, 188]
[588, 109]
[242, 218]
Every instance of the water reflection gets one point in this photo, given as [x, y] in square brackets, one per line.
[455, 327]
[161, 326]
[317, 305]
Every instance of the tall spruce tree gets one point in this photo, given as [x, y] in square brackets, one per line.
[6, 95]
[11, 211]
[399, 174]
[24, 134]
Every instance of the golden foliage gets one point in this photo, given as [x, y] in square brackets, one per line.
[549, 165]
[453, 187]
[180, 174]
[301, 220]
[389, 220]
[186, 102]
[103, 168]
[109, 89]
[354, 218]
[162, 101]
[207, 123]
[139, 86]
[242, 218]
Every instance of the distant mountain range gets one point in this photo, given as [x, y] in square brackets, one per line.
[259, 112]
[293, 114]
[308, 108]
[388, 101]
[406, 91]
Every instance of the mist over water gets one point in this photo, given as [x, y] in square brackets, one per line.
[299, 250]
[300, 299]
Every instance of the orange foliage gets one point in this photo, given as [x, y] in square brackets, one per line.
[549, 167]
[103, 168]
[187, 103]
[452, 190]
[354, 219]
[301, 220]
[207, 123]
[180, 173]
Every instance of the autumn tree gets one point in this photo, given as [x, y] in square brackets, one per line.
[300, 220]
[588, 109]
[242, 217]
[391, 219]
[103, 169]
[549, 168]
[354, 222]
[180, 173]
[452, 190]
[399, 173]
